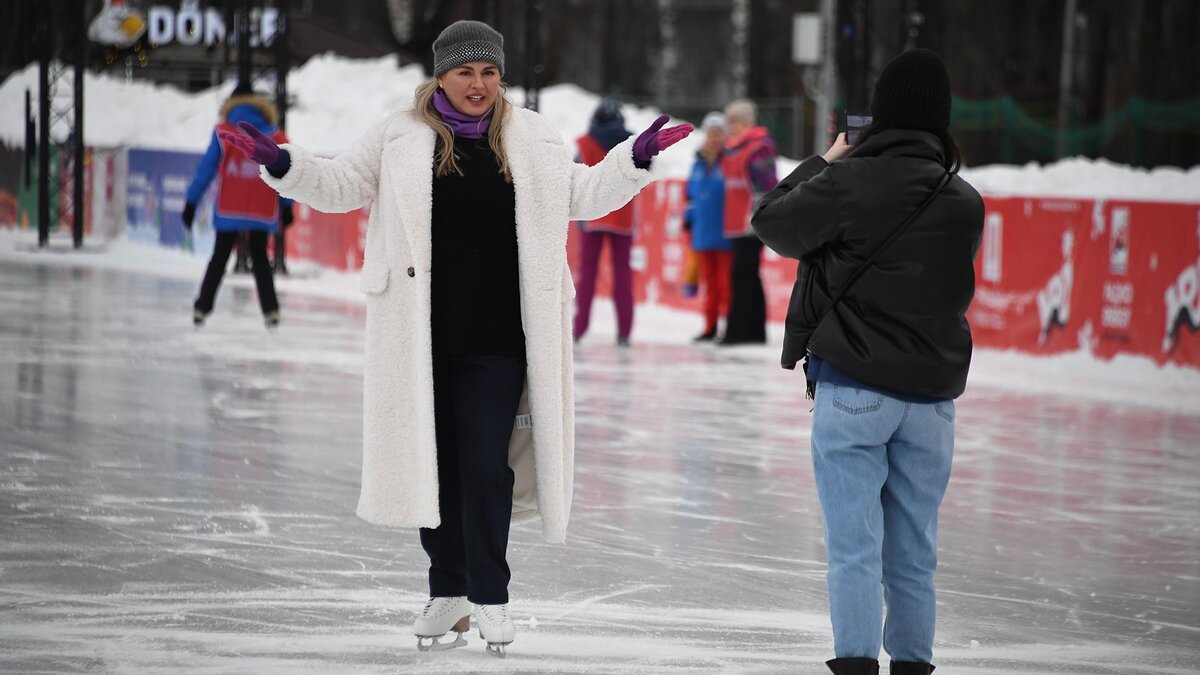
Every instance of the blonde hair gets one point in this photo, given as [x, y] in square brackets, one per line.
[742, 110]
[446, 160]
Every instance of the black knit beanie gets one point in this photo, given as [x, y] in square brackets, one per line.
[913, 93]
[466, 41]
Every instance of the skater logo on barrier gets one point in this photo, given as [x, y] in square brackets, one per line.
[993, 236]
[1118, 248]
[1054, 300]
[1182, 300]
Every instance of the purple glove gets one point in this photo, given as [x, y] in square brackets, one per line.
[258, 147]
[652, 141]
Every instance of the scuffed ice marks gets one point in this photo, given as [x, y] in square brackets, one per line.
[174, 501]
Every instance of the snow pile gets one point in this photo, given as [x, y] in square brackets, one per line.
[337, 99]
[1086, 178]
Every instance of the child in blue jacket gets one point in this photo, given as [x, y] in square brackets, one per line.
[705, 217]
[244, 203]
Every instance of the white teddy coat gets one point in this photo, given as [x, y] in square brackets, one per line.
[392, 166]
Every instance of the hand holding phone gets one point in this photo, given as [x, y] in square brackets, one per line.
[855, 124]
[838, 150]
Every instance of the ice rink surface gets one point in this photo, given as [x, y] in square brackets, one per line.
[181, 501]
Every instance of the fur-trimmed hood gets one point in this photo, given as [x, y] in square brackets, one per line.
[259, 104]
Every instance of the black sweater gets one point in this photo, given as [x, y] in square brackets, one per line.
[903, 325]
[476, 297]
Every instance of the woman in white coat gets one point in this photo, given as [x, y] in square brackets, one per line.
[468, 401]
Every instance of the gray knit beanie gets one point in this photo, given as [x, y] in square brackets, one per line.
[466, 41]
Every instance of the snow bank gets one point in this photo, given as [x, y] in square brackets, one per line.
[337, 99]
[1086, 178]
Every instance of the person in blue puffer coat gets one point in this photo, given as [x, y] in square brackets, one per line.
[705, 218]
[244, 203]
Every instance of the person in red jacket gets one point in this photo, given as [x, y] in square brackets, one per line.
[244, 203]
[607, 130]
[749, 169]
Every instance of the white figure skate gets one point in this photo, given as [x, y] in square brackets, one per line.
[442, 615]
[496, 627]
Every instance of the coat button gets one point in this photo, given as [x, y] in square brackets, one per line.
[412, 272]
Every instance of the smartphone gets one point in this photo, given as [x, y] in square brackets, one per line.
[855, 123]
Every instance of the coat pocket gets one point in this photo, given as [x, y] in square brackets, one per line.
[373, 278]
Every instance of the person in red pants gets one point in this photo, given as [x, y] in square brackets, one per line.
[705, 219]
[607, 130]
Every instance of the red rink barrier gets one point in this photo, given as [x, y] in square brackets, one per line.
[1111, 277]
[335, 240]
[1052, 275]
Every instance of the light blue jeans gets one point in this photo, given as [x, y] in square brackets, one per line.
[881, 468]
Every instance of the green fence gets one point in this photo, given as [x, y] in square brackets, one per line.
[1129, 124]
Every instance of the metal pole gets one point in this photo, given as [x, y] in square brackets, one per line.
[821, 138]
[44, 127]
[243, 42]
[739, 17]
[533, 51]
[30, 139]
[283, 60]
[797, 126]
[230, 35]
[241, 261]
[857, 94]
[80, 147]
[1065, 73]
[282, 66]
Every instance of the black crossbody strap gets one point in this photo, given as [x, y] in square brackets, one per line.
[945, 180]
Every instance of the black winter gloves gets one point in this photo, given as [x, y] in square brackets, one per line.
[285, 215]
[189, 214]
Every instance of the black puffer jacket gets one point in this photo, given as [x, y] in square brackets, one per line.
[902, 325]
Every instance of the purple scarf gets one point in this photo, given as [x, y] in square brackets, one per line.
[467, 126]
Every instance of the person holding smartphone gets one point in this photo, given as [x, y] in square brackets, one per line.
[886, 233]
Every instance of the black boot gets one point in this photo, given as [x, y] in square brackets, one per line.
[911, 668]
[854, 666]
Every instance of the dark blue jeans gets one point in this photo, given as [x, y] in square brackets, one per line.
[475, 405]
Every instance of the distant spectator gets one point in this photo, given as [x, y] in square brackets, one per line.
[749, 169]
[705, 218]
[244, 203]
[607, 130]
